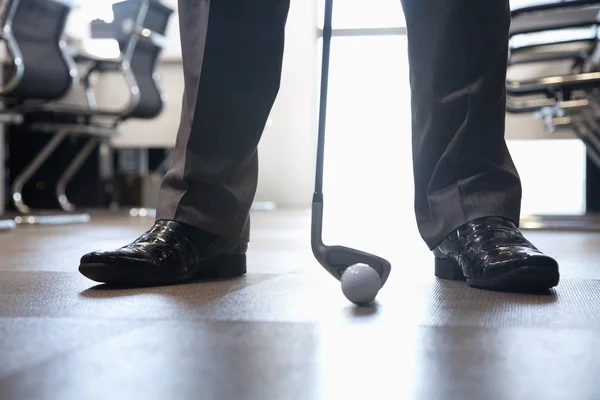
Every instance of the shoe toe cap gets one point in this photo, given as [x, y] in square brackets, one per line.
[107, 257]
[93, 257]
[539, 260]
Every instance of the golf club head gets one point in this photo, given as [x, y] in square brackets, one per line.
[335, 259]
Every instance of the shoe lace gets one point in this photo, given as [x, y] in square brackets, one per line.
[158, 233]
[477, 236]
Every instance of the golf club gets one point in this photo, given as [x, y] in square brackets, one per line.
[335, 259]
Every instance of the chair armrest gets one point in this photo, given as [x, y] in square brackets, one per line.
[519, 58]
[17, 61]
[588, 80]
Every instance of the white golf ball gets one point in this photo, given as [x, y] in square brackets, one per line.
[360, 284]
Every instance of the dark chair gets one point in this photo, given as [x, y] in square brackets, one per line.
[562, 36]
[565, 31]
[139, 28]
[39, 69]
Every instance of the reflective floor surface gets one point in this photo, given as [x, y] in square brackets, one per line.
[285, 331]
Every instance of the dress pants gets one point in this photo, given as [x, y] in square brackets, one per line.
[232, 58]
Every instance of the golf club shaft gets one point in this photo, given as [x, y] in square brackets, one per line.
[323, 100]
[335, 259]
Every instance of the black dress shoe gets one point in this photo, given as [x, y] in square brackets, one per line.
[491, 253]
[170, 252]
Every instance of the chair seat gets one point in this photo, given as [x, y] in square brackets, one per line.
[74, 128]
[73, 123]
[67, 113]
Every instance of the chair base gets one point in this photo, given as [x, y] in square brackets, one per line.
[142, 212]
[584, 223]
[7, 225]
[151, 212]
[52, 219]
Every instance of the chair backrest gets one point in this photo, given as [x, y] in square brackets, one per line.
[149, 14]
[140, 23]
[37, 27]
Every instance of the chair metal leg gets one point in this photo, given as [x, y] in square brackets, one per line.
[142, 212]
[25, 176]
[7, 225]
[63, 181]
[34, 165]
[151, 212]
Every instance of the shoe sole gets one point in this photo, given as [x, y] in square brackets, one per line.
[524, 279]
[221, 267]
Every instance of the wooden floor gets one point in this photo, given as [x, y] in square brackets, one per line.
[285, 331]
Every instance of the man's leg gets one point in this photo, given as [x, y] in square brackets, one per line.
[462, 168]
[467, 190]
[232, 58]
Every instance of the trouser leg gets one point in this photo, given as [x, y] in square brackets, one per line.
[232, 58]
[462, 167]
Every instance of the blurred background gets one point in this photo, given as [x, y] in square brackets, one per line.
[368, 159]
[90, 101]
